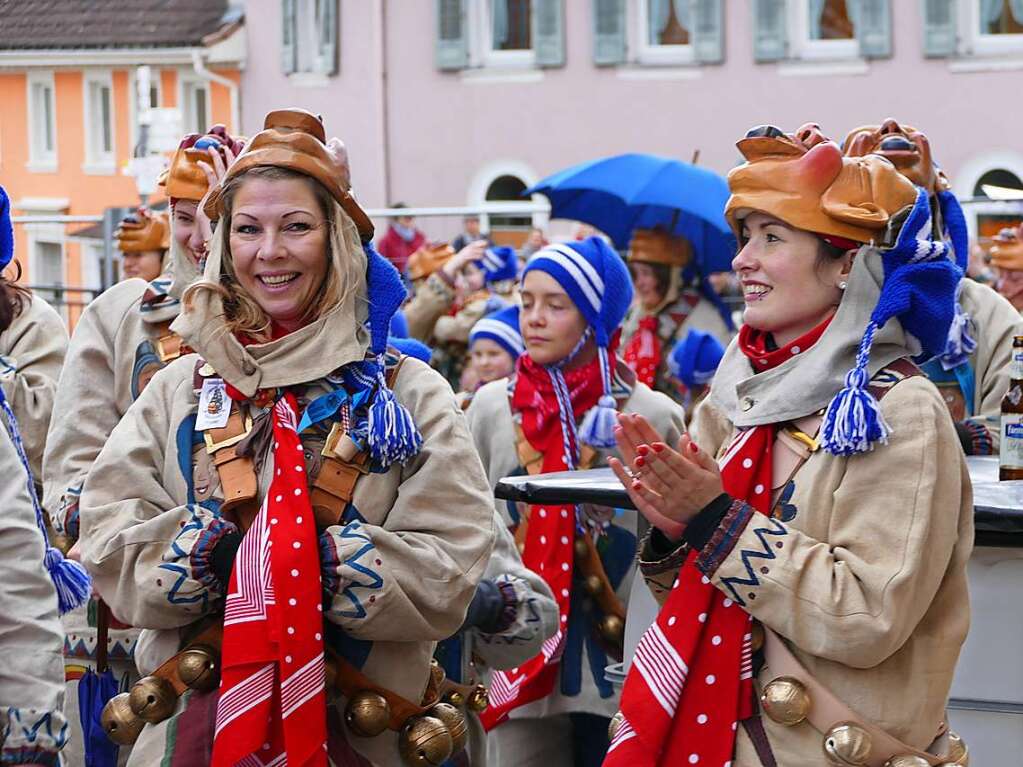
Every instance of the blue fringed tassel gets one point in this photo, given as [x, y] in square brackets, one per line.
[393, 436]
[853, 421]
[69, 578]
[598, 426]
[960, 344]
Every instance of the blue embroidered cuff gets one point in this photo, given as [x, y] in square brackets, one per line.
[25, 755]
[330, 564]
[204, 557]
[725, 537]
[975, 438]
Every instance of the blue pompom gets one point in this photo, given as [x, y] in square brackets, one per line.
[207, 142]
[598, 426]
[69, 578]
[393, 436]
[853, 421]
[960, 343]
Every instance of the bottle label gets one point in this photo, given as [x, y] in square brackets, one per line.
[1016, 365]
[1010, 454]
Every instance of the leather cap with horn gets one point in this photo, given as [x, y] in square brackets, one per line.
[803, 180]
[185, 179]
[655, 246]
[295, 139]
[428, 259]
[1007, 250]
[144, 231]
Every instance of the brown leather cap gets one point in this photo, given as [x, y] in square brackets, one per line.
[1007, 250]
[295, 139]
[143, 232]
[185, 178]
[806, 182]
[428, 259]
[655, 246]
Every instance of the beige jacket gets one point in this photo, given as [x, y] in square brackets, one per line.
[995, 322]
[32, 353]
[493, 429]
[31, 664]
[862, 571]
[433, 298]
[405, 561]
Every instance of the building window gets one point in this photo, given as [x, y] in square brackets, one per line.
[47, 271]
[505, 33]
[195, 106]
[665, 32]
[99, 123]
[42, 112]
[309, 36]
[996, 26]
[825, 29]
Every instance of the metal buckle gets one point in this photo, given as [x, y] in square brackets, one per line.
[212, 447]
[161, 350]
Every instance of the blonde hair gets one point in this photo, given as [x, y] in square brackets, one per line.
[346, 261]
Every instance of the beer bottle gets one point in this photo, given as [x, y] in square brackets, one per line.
[1010, 454]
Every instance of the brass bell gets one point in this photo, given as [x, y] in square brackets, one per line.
[613, 726]
[757, 636]
[367, 714]
[847, 745]
[593, 585]
[436, 673]
[152, 699]
[785, 701]
[119, 722]
[455, 698]
[424, 741]
[479, 699]
[197, 667]
[582, 551]
[907, 760]
[958, 753]
[612, 629]
[454, 720]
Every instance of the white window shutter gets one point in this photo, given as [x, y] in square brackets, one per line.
[770, 30]
[289, 47]
[939, 28]
[549, 32]
[708, 32]
[326, 37]
[874, 27]
[608, 32]
[452, 49]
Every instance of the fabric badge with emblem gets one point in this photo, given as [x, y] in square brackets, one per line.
[214, 405]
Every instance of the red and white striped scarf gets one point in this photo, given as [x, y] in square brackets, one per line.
[272, 705]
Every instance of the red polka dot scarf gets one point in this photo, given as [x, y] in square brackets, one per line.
[272, 704]
[691, 680]
[643, 352]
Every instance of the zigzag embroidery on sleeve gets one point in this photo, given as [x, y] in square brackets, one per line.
[770, 527]
[354, 567]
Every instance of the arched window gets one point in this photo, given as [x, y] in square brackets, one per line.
[1000, 179]
[507, 188]
[997, 184]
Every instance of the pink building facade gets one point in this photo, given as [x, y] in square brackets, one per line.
[438, 100]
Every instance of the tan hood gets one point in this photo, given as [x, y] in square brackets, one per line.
[310, 353]
[807, 382]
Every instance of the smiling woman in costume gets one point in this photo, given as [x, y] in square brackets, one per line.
[811, 569]
[556, 413]
[293, 490]
[972, 372]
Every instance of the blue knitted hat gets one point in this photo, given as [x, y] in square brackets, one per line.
[411, 347]
[499, 264]
[597, 280]
[919, 291]
[501, 327]
[960, 343]
[6, 231]
[695, 358]
[393, 436]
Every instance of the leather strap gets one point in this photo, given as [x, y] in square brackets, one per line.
[826, 710]
[169, 345]
[237, 472]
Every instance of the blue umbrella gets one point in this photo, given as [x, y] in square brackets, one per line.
[95, 689]
[629, 191]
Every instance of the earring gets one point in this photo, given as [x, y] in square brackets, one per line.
[843, 285]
